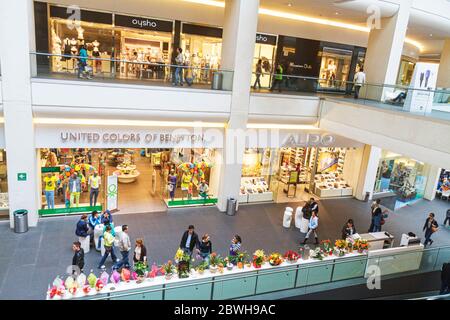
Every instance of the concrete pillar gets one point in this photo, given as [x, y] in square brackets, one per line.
[443, 80]
[433, 175]
[368, 172]
[16, 89]
[384, 50]
[240, 24]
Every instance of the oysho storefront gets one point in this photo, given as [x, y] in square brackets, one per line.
[293, 165]
[127, 169]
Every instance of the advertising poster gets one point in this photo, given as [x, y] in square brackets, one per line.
[112, 193]
[424, 81]
[328, 162]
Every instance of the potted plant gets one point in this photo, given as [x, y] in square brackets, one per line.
[213, 262]
[275, 259]
[229, 262]
[259, 258]
[326, 246]
[317, 254]
[350, 244]
[140, 268]
[341, 246]
[291, 256]
[168, 270]
[201, 267]
[240, 259]
[363, 246]
[184, 266]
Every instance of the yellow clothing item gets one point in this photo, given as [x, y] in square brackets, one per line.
[50, 183]
[108, 239]
[185, 181]
[94, 182]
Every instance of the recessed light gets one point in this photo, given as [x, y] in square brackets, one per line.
[336, 13]
[431, 34]
[289, 4]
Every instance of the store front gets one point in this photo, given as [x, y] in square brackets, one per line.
[127, 170]
[202, 47]
[265, 50]
[401, 176]
[406, 71]
[304, 164]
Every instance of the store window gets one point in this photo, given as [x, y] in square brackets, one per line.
[4, 202]
[138, 180]
[265, 49]
[95, 31]
[335, 68]
[406, 72]
[403, 176]
[292, 174]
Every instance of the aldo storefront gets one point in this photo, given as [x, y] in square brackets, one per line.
[135, 169]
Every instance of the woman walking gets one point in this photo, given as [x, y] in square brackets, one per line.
[258, 74]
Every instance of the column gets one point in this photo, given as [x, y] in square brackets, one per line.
[368, 172]
[443, 80]
[433, 173]
[384, 50]
[240, 23]
[16, 88]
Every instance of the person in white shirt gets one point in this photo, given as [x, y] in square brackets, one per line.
[124, 247]
[359, 80]
[94, 184]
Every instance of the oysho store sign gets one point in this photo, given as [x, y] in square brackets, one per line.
[143, 23]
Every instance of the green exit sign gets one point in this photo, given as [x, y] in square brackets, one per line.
[21, 176]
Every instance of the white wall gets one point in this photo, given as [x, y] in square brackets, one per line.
[93, 99]
[352, 167]
[276, 108]
[417, 137]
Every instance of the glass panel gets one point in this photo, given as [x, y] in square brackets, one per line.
[335, 68]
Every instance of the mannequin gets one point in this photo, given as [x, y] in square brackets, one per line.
[172, 184]
[185, 181]
[96, 54]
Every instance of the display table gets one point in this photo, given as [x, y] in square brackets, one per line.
[376, 240]
[127, 177]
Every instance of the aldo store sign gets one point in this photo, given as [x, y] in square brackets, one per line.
[142, 23]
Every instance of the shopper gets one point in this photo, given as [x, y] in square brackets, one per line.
[306, 210]
[140, 252]
[447, 218]
[94, 184]
[430, 227]
[82, 61]
[50, 182]
[108, 242]
[179, 61]
[348, 230]
[205, 247]
[82, 229]
[189, 240]
[75, 190]
[312, 227]
[189, 74]
[78, 257]
[258, 74]
[124, 247]
[93, 221]
[314, 206]
[375, 224]
[445, 279]
[277, 78]
[359, 80]
[235, 246]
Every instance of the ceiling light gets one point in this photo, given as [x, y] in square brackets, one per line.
[289, 4]
[280, 126]
[298, 17]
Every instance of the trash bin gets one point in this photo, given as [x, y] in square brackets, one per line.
[231, 206]
[217, 79]
[20, 221]
[366, 198]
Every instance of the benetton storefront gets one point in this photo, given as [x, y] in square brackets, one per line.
[130, 169]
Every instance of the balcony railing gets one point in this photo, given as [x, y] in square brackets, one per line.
[70, 67]
[419, 101]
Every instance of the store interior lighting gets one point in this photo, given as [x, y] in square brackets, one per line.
[298, 17]
[281, 126]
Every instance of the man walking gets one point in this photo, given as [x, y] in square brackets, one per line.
[124, 247]
[277, 78]
[430, 227]
[314, 206]
[108, 242]
[359, 80]
[189, 240]
[447, 218]
[78, 256]
[179, 61]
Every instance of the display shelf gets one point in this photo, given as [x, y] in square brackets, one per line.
[256, 190]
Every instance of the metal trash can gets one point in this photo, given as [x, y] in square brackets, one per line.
[367, 196]
[20, 221]
[217, 79]
[231, 206]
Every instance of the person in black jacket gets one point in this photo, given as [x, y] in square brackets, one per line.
[445, 279]
[189, 240]
[82, 227]
[348, 230]
[314, 206]
[78, 256]
[430, 227]
[205, 247]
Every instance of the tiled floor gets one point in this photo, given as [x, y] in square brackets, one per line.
[30, 261]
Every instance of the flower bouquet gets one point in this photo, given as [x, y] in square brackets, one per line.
[140, 268]
[340, 246]
[125, 275]
[168, 270]
[259, 258]
[327, 247]
[201, 267]
[350, 244]
[291, 256]
[317, 254]
[153, 272]
[115, 277]
[363, 246]
[184, 266]
[240, 259]
[92, 279]
[71, 285]
[275, 259]
[214, 261]
[178, 255]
